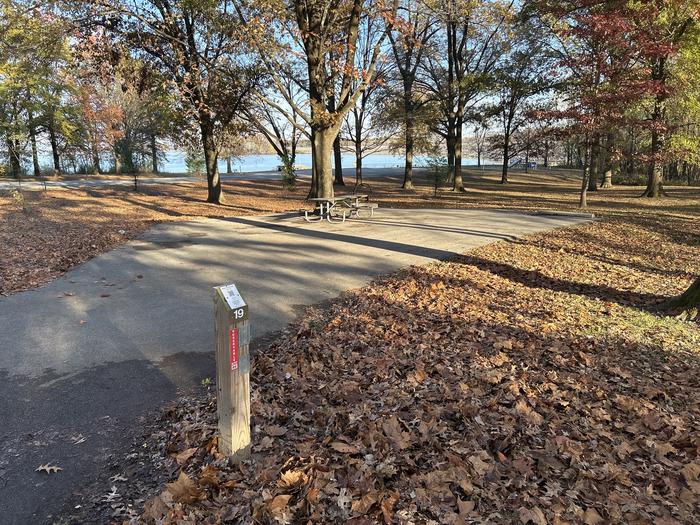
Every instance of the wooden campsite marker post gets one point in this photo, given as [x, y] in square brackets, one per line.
[232, 371]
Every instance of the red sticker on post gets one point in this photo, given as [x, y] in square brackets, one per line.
[233, 348]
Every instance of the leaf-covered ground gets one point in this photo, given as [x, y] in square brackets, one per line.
[525, 382]
[533, 381]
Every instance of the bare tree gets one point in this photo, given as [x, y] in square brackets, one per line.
[408, 46]
[323, 35]
[361, 123]
[460, 66]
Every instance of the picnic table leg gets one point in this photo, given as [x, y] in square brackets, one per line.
[320, 213]
[330, 217]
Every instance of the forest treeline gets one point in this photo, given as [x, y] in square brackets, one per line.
[611, 87]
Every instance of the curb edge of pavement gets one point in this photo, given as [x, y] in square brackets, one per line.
[555, 213]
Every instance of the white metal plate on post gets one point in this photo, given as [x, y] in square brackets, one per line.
[232, 296]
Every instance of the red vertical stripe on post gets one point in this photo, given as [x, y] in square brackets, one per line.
[233, 349]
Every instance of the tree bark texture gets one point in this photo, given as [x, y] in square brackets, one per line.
[688, 303]
[211, 154]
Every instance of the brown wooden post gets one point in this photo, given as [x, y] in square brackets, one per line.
[232, 371]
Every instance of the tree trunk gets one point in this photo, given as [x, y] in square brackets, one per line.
[54, 150]
[450, 154]
[687, 304]
[583, 199]
[229, 168]
[527, 160]
[154, 154]
[458, 183]
[15, 161]
[211, 156]
[607, 181]
[117, 161]
[408, 168]
[337, 153]
[35, 153]
[323, 161]
[358, 163]
[409, 131]
[506, 159]
[358, 149]
[655, 174]
[654, 180]
[96, 168]
[593, 163]
[338, 160]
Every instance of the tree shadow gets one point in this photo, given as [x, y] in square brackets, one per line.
[536, 279]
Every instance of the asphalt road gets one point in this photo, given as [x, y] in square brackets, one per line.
[83, 357]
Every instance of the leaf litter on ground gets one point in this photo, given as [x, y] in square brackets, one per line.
[531, 381]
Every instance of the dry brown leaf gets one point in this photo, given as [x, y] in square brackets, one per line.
[209, 476]
[184, 490]
[591, 517]
[480, 466]
[392, 429]
[532, 516]
[523, 408]
[691, 472]
[465, 507]
[653, 421]
[362, 505]
[184, 456]
[155, 509]
[388, 507]
[292, 479]
[277, 506]
[275, 431]
[344, 448]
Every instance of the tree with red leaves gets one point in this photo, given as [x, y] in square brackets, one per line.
[598, 45]
[660, 28]
[620, 55]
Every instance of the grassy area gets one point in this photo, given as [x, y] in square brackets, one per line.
[532, 381]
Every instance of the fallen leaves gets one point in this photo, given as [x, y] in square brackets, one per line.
[435, 396]
[292, 479]
[48, 469]
[185, 455]
[394, 431]
[344, 448]
[184, 490]
[533, 516]
[62, 228]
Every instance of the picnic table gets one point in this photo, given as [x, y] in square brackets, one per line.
[339, 207]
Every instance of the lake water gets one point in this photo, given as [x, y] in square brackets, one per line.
[175, 162]
[248, 163]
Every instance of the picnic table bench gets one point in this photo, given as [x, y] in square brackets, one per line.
[339, 207]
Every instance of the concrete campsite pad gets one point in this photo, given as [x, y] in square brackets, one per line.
[85, 356]
[153, 297]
